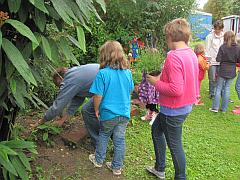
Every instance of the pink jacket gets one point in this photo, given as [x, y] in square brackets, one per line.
[178, 84]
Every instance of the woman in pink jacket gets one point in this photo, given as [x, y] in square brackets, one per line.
[178, 88]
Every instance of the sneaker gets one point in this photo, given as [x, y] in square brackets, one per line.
[154, 115]
[231, 101]
[213, 110]
[116, 172]
[148, 116]
[92, 158]
[151, 169]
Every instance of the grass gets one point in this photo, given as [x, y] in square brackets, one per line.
[211, 143]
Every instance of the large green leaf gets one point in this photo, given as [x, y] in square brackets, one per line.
[40, 20]
[24, 160]
[20, 93]
[54, 50]
[0, 38]
[60, 8]
[39, 101]
[4, 161]
[81, 38]
[14, 5]
[102, 4]
[40, 5]
[23, 29]
[66, 51]
[13, 86]
[52, 12]
[18, 61]
[19, 167]
[19, 144]
[74, 41]
[7, 150]
[23, 14]
[46, 47]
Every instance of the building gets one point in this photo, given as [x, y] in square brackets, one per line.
[201, 24]
[231, 23]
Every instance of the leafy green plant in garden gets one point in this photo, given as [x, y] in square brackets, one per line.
[24, 39]
[148, 61]
[13, 160]
[44, 133]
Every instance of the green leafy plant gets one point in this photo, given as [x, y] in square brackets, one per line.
[13, 160]
[44, 133]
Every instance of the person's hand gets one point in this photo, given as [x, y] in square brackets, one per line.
[97, 114]
[152, 79]
[38, 123]
[59, 122]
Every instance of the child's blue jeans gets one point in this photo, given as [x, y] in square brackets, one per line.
[237, 85]
[117, 127]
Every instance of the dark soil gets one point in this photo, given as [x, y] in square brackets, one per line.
[63, 161]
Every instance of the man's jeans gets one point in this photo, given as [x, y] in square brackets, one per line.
[91, 121]
[223, 89]
[169, 129]
[212, 76]
[237, 85]
[117, 127]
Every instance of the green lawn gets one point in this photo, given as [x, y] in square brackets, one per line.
[211, 142]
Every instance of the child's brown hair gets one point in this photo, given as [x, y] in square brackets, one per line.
[112, 55]
[229, 38]
[178, 30]
[218, 24]
[199, 49]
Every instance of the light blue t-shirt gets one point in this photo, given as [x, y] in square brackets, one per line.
[115, 87]
[176, 111]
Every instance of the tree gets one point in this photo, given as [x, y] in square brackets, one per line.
[218, 8]
[23, 40]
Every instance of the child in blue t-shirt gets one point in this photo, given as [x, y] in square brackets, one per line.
[112, 89]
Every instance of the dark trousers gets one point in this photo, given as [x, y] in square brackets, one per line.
[152, 107]
[169, 129]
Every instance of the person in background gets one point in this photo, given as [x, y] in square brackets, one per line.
[228, 55]
[213, 42]
[74, 85]
[112, 90]
[178, 89]
[203, 66]
[148, 95]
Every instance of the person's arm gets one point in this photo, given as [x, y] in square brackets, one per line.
[66, 94]
[219, 57]
[97, 89]
[208, 45]
[96, 102]
[175, 77]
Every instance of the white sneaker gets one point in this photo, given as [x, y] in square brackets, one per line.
[92, 158]
[151, 169]
[154, 115]
[116, 172]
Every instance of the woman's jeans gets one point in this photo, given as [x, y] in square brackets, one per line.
[169, 129]
[212, 76]
[117, 128]
[237, 85]
[91, 121]
[223, 89]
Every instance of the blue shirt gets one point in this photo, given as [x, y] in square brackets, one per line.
[175, 111]
[115, 87]
[73, 90]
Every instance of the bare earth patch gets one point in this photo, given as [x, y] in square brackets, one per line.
[62, 161]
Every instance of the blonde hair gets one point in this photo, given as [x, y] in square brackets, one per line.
[229, 38]
[199, 48]
[178, 30]
[112, 55]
